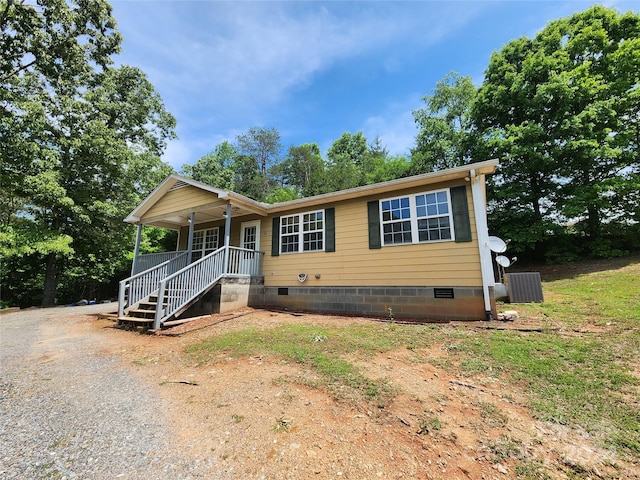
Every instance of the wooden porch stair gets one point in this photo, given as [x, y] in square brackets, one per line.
[182, 287]
[144, 315]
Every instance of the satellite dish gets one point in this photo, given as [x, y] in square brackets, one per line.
[503, 261]
[496, 244]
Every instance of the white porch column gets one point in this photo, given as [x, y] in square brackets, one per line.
[136, 249]
[192, 221]
[227, 235]
[482, 231]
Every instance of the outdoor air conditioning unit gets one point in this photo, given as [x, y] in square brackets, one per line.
[524, 287]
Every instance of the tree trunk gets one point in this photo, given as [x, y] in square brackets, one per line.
[50, 281]
[593, 222]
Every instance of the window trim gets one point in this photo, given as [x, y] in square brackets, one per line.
[413, 218]
[300, 233]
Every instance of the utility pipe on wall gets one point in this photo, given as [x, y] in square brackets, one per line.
[482, 231]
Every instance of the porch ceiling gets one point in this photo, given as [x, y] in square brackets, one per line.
[215, 211]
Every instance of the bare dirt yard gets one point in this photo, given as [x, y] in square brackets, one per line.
[252, 418]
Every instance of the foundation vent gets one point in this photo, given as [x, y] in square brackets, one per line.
[525, 287]
[443, 293]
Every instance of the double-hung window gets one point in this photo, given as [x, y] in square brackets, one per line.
[303, 232]
[204, 242]
[425, 217]
[432, 213]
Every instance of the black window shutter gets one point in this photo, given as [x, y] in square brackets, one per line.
[275, 237]
[460, 210]
[221, 236]
[330, 229]
[373, 209]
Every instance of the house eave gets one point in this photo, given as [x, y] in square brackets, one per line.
[242, 205]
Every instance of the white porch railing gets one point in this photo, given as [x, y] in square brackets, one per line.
[143, 284]
[179, 289]
[150, 260]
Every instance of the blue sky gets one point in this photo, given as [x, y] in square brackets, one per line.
[314, 70]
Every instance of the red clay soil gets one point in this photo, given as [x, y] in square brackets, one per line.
[257, 419]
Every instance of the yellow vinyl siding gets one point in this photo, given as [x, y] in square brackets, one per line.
[179, 200]
[444, 263]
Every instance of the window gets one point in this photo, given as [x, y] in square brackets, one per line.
[425, 217]
[204, 242]
[312, 231]
[303, 232]
[432, 211]
[396, 221]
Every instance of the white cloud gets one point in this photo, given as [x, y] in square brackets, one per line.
[222, 67]
[395, 127]
[252, 53]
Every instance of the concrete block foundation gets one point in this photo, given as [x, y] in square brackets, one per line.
[424, 304]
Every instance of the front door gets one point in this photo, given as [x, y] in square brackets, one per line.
[249, 239]
[250, 235]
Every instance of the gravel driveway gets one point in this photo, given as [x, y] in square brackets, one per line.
[69, 411]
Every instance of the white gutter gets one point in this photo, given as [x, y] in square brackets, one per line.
[482, 231]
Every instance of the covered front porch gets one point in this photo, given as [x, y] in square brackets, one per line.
[218, 246]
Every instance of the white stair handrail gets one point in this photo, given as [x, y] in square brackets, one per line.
[179, 289]
[143, 284]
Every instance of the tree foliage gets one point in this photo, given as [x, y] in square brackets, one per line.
[561, 112]
[444, 125]
[302, 172]
[80, 144]
[214, 168]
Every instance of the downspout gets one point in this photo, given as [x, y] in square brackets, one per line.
[227, 235]
[136, 249]
[192, 221]
[482, 231]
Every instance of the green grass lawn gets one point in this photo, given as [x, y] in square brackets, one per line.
[583, 371]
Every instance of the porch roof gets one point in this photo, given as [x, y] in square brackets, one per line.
[171, 203]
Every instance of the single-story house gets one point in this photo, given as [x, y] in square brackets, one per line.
[413, 249]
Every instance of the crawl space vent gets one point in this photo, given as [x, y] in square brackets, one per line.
[443, 293]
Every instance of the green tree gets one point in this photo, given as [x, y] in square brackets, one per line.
[560, 110]
[215, 168]
[348, 162]
[79, 142]
[259, 149]
[282, 194]
[248, 180]
[55, 39]
[262, 145]
[303, 169]
[444, 125]
[390, 168]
